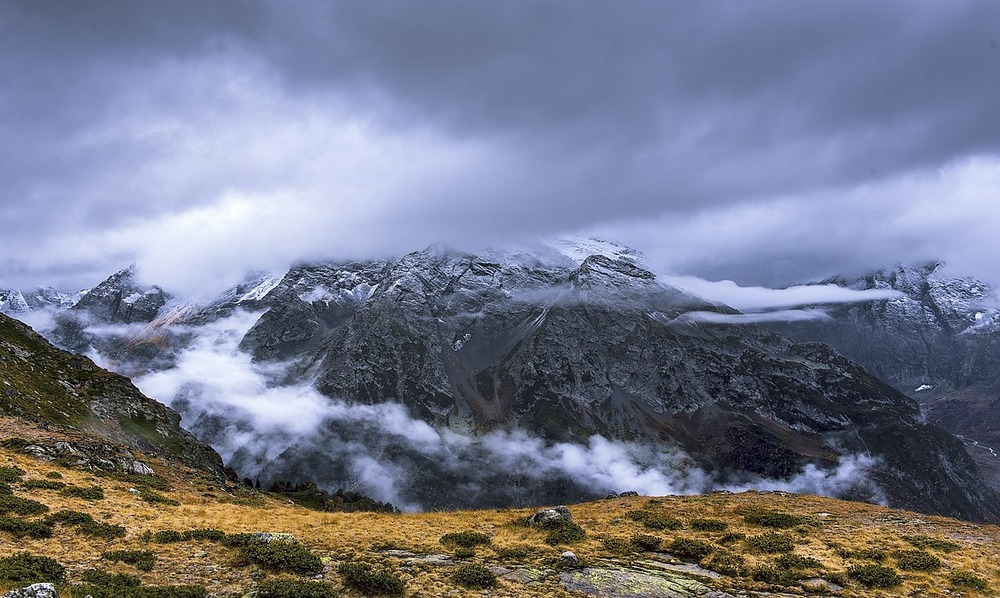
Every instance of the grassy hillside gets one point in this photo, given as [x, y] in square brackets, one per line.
[634, 541]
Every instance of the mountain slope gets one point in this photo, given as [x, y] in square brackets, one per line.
[41, 383]
[449, 379]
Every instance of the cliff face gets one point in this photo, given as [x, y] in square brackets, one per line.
[558, 350]
[46, 385]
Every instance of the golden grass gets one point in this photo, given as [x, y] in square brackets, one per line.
[341, 537]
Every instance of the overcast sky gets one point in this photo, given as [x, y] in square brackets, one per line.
[767, 142]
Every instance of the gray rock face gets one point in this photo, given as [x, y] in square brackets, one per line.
[938, 343]
[942, 334]
[38, 590]
[564, 350]
[623, 583]
[123, 299]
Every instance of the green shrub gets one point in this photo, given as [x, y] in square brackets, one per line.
[282, 556]
[99, 577]
[238, 540]
[868, 554]
[96, 529]
[775, 519]
[54, 475]
[5, 489]
[464, 552]
[567, 532]
[88, 493]
[212, 535]
[156, 498]
[726, 562]
[142, 560]
[474, 576]
[653, 520]
[916, 560]
[771, 542]
[21, 528]
[139, 592]
[11, 474]
[874, 576]
[791, 560]
[730, 537]
[287, 587]
[708, 525]
[774, 575]
[24, 568]
[68, 517]
[616, 545]
[167, 536]
[20, 506]
[361, 577]
[467, 539]
[689, 548]
[42, 485]
[645, 542]
[968, 579]
[925, 542]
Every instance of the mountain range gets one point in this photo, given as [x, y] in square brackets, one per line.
[443, 379]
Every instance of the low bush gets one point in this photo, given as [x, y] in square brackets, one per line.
[464, 552]
[774, 575]
[96, 529]
[617, 545]
[86, 493]
[24, 528]
[925, 542]
[771, 542]
[96, 591]
[874, 576]
[5, 489]
[42, 485]
[156, 498]
[167, 536]
[99, 577]
[211, 535]
[566, 532]
[474, 576]
[142, 560]
[866, 554]
[69, 517]
[54, 475]
[11, 474]
[467, 539]
[968, 579]
[916, 560]
[653, 520]
[282, 556]
[287, 587]
[689, 548]
[20, 506]
[362, 578]
[645, 542]
[24, 568]
[775, 519]
[797, 561]
[708, 525]
[726, 562]
[731, 537]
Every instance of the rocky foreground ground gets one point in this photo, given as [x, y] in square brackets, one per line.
[181, 532]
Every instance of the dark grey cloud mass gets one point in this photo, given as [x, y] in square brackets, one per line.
[767, 142]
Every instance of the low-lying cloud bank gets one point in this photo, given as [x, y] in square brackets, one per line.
[272, 431]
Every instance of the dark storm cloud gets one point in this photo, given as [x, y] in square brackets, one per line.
[219, 136]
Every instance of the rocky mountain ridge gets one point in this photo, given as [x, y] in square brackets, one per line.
[563, 350]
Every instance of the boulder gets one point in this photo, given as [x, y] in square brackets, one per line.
[37, 590]
[547, 516]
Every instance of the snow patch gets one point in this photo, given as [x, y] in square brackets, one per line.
[261, 290]
[923, 387]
